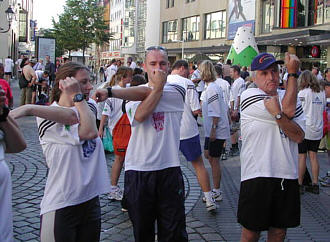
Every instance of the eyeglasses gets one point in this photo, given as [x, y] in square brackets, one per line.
[156, 47]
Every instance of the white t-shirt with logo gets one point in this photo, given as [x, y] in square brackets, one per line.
[110, 71]
[113, 109]
[77, 169]
[266, 150]
[201, 84]
[313, 105]
[224, 85]
[189, 126]
[236, 90]
[154, 143]
[9, 64]
[213, 105]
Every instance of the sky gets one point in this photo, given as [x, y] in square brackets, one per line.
[44, 10]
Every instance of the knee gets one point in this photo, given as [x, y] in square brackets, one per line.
[249, 235]
[275, 234]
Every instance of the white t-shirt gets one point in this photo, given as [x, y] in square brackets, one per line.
[266, 150]
[154, 143]
[113, 109]
[132, 65]
[9, 64]
[6, 224]
[224, 85]
[189, 126]
[236, 90]
[213, 105]
[111, 70]
[313, 105]
[201, 84]
[77, 169]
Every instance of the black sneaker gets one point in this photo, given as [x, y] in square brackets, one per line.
[315, 188]
[301, 189]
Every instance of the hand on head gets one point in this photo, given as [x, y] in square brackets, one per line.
[292, 63]
[70, 86]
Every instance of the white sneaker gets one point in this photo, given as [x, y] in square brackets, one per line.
[215, 196]
[116, 194]
[211, 205]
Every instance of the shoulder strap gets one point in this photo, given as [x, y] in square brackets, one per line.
[123, 108]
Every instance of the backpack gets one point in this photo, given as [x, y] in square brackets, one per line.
[22, 82]
[121, 133]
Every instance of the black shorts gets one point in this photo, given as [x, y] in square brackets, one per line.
[308, 145]
[269, 202]
[8, 73]
[214, 147]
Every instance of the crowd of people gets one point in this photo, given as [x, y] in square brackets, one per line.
[153, 113]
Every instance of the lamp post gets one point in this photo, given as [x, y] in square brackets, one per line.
[9, 15]
[182, 46]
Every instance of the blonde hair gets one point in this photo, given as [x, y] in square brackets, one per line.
[122, 72]
[207, 71]
[308, 80]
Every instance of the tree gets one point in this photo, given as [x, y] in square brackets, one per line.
[81, 24]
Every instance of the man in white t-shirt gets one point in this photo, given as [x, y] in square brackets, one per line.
[196, 78]
[154, 188]
[317, 73]
[9, 64]
[111, 70]
[236, 90]
[130, 63]
[189, 135]
[269, 194]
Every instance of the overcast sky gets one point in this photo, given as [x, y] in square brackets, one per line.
[44, 10]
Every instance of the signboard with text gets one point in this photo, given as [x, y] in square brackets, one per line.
[45, 46]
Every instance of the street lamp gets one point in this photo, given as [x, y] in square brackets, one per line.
[182, 46]
[9, 15]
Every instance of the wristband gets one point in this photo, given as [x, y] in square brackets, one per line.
[295, 75]
[109, 91]
[3, 116]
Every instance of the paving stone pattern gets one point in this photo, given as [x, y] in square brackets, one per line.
[29, 176]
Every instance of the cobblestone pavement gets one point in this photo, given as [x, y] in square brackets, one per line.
[29, 175]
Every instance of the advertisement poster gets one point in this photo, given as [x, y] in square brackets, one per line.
[240, 13]
[46, 46]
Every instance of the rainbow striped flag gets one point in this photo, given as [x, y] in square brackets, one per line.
[289, 14]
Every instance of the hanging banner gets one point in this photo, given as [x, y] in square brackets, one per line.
[289, 14]
[241, 13]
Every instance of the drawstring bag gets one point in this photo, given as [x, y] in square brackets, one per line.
[107, 141]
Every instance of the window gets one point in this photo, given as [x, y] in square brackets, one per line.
[169, 3]
[23, 26]
[268, 9]
[215, 25]
[190, 28]
[327, 12]
[189, 1]
[170, 31]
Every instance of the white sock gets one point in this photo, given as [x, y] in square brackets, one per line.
[113, 188]
[217, 191]
[208, 196]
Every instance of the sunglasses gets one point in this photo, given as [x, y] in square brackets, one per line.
[156, 47]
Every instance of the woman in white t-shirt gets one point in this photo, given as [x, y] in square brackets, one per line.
[215, 122]
[113, 111]
[11, 141]
[313, 102]
[77, 175]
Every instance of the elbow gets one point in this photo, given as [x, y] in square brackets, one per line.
[88, 136]
[18, 148]
[138, 118]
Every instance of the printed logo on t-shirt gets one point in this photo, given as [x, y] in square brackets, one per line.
[317, 101]
[158, 121]
[302, 99]
[89, 147]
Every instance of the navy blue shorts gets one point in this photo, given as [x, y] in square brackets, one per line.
[191, 148]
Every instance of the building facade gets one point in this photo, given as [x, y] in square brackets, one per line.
[117, 11]
[208, 27]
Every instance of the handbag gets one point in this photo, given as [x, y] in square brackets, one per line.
[22, 82]
[107, 141]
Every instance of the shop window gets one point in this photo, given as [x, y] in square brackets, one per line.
[170, 31]
[190, 28]
[215, 25]
[268, 9]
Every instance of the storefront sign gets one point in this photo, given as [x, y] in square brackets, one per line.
[315, 51]
[109, 55]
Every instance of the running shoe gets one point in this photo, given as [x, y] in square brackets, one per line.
[216, 196]
[326, 177]
[315, 188]
[116, 194]
[211, 205]
[325, 182]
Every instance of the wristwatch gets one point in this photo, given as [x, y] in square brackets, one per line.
[295, 75]
[78, 97]
[214, 126]
[278, 116]
[109, 91]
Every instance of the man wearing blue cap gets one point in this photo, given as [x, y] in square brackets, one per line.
[272, 125]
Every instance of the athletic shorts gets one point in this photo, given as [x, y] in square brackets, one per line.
[8, 73]
[191, 148]
[214, 147]
[269, 202]
[308, 145]
[81, 222]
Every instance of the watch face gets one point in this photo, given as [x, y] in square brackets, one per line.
[78, 97]
[278, 116]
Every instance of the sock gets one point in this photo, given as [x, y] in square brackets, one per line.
[208, 196]
[217, 191]
[113, 188]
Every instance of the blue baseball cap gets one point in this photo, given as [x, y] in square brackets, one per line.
[263, 61]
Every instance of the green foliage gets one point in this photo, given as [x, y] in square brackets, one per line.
[80, 25]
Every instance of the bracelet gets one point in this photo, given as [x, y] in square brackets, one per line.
[4, 115]
[109, 91]
[295, 75]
